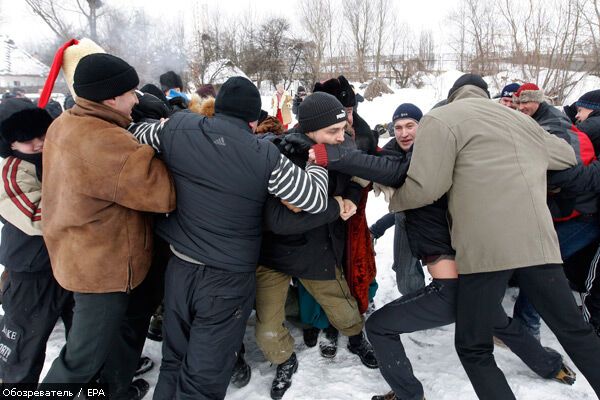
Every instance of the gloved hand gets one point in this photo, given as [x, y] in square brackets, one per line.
[380, 129]
[387, 191]
[296, 143]
[149, 107]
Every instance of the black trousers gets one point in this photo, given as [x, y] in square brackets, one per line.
[547, 289]
[431, 307]
[107, 336]
[33, 302]
[204, 320]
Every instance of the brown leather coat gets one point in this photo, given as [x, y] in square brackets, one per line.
[100, 186]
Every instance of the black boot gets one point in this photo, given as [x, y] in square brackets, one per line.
[388, 396]
[241, 371]
[155, 328]
[358, 345]
[283, 377]
[328, 344]
[310, 336]
[565, 375]
[145, 364]
[138, 389]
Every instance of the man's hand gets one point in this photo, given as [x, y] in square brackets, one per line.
[387, 191]
[349, 209]
[311, 156]
[290, 206]
[340, 202]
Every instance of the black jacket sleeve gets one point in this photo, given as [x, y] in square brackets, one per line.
[389, 170]
[280, 220]
[577, 179]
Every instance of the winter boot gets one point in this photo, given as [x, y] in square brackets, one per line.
[145, 364]
[155, 328]
[328, 344]
[565, 375]
[138, 389]
[283, 377]
[241, 371]
[310, 336]
[388, 396]
[358, 345]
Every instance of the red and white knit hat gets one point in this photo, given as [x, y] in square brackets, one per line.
[67, 57]
[529, 92]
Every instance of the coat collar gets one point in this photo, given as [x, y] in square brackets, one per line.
[88, 108]
[235, 121]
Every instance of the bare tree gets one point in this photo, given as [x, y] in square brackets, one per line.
[590, 11]
[316, 20]
[358, 14]
[51, 13]
[384, 15]
[427, 49]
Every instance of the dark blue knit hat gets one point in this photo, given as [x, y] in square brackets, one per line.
[407, 110]
[509, 90]
[590, 100]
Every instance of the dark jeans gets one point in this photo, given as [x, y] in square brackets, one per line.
[32, 304]
[409, 271]
[431, 307]
[107, 336]
[205, 314]
[547, 288]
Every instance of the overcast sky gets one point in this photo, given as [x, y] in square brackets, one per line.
[17, 21]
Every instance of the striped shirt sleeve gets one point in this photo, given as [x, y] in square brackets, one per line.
[148, 133]
[305, 189]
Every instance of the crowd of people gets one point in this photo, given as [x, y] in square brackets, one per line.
[173, 217]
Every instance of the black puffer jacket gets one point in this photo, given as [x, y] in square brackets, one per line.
[303, 245]
[22, 253]
[426, 227]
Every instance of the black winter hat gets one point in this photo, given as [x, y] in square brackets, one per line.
[340, 88]
[469, 79]
[101, 76]
[154, 91]
[320, 110]
[590, 100]
[170, 80]
[407, 110]
[20, 121]
[149, 107]
[238, 97]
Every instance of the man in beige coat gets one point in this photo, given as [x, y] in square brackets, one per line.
[492, 163]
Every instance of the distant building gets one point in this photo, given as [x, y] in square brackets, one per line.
[19, 69]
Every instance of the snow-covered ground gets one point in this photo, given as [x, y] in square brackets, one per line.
[431, 352]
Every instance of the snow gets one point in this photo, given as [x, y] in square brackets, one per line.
[431, 352]
[15, 61]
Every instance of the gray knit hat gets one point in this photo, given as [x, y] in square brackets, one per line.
[320, 110]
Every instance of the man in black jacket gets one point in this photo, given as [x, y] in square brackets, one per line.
[223, 175]
[309, 248]
[588, 117]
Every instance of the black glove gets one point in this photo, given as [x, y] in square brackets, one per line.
[149, 107]
[380, 129]
[296, 143]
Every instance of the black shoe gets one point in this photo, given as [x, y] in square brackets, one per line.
[155, 328]
[138, 389]
[565, 375]
[328, 342]
[241, 372]
[145, 364]
[388, 396]
[359, 345]
[283, 377]
[310, 336]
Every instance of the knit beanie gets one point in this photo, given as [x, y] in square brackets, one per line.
[320, 110]
[20, 121]
[590, 100]
[469, 79]
[239, 98]
[340, 88]
[529, 92]
[170, 80]
[509, 90]
[102, 76]
[407, 110]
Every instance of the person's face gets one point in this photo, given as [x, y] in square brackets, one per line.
[583, 113]
[279, 89]
[33, 146]
[405, 130]
[508, 102]
[529, 107]
[349, 117]
[332, 134]
[123, 103]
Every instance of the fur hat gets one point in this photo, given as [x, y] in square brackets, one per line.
[270, 125]
[202, 106]
[340, 88]
[529, 92]
[20, 121]
[170, 80]
[590, 100]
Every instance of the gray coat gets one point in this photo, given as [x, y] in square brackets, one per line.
[492, 162]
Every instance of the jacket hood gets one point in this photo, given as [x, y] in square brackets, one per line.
[468, 92]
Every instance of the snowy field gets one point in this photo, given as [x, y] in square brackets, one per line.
[432, 352]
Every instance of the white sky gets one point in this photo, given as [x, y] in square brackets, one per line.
[19, 23]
